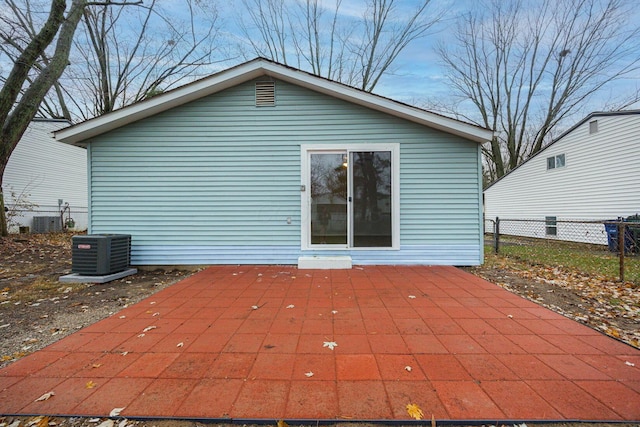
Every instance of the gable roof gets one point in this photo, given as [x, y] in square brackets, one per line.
[260, 67]
[592, 115]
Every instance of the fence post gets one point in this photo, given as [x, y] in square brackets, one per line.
[496, 235]
[621, 248]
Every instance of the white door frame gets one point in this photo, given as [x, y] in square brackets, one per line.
[305, 193]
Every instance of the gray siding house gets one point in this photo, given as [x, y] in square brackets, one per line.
[589, 173]
[267, 164]
[41, 172]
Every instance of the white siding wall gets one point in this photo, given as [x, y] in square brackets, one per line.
[48, 170]
[216, 180]
[601, 179]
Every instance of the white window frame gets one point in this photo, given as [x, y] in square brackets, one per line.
[305, 198]
[555, 161]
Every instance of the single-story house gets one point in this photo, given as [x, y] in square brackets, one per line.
[589, 173]
[44, 177]
[267, 164]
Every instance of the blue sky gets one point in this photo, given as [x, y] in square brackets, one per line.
[418, 77]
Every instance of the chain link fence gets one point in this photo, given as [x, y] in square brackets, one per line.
[570, 240]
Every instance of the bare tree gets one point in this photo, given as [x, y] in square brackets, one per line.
[521, 68]
[125, 55]
[28, 82]
[354, 50]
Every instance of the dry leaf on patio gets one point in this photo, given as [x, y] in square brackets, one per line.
[96, 365]
[415, 411]
[330, 344]
[629, 363]
[180, 344]
[149, 328]
[282, 423]
[90, 384]
[115, 412]
[290, 306]
[309, 374]
[408, 368]
[412, 296]
[45, 396]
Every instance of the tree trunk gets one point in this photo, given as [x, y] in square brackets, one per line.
[4, 231]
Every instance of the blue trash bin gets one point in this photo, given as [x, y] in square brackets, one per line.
[612, 237]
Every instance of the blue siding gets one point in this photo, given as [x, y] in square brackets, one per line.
[216, 180]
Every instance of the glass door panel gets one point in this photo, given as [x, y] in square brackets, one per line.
[328, 198]
[371, 210]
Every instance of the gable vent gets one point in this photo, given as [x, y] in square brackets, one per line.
[265, 94]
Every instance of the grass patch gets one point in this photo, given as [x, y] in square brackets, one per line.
[37, 288]
[556, 254]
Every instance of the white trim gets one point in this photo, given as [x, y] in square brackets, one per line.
[81, 132]
[305, 200]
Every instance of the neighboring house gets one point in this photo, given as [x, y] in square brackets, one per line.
[591, 172]
[41, 172]
[267, 164]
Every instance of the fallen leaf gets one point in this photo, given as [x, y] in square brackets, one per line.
[141, 335]
[180, 344]
[44, 422]
[122, 317]
[45, 396]
[90, 384]
[309, 374]
[124, 353]
[510, 316]
[330, 344]
[255, 307]
[282, 423]
[149, 328]
[412, 296]
[408, 368]
[115, 412]
[334, 312]
[415, 411]
[629, 363]
[96, 365]
[290, 306]
[106, 423]
[155, 314]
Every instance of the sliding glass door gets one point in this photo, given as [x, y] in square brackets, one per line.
[371, 198]
[351, 198]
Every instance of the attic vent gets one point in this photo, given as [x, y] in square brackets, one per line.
[265, 94]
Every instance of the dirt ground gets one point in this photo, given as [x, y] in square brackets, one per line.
[37, 310]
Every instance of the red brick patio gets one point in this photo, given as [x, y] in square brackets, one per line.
[242, 342]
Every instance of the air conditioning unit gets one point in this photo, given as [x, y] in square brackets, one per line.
[46, 224]
[100, 254]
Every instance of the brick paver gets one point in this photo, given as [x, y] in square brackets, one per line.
[248, 342]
